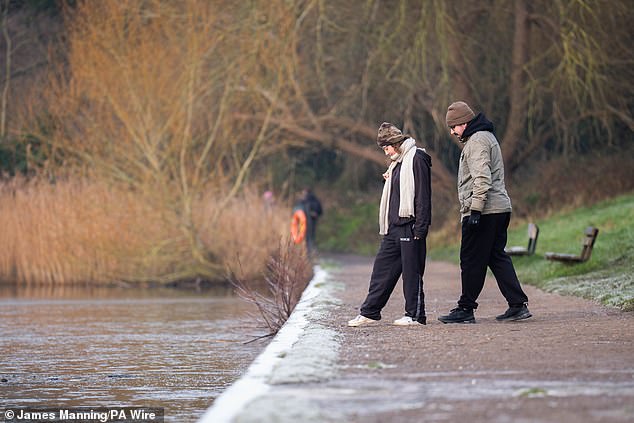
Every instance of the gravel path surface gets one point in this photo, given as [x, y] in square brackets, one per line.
[573, 361]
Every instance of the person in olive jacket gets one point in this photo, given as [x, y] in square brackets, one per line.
[404, 219]
[485, 209]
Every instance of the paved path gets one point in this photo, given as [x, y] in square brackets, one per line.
[572, 362]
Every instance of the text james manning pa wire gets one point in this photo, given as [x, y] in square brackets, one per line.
[83, 415]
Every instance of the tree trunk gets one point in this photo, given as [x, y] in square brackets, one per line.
[516, 120]
[460, 89]
[7, 65]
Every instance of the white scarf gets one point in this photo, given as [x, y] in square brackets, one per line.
[406, 183]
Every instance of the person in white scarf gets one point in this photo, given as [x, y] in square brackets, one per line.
[406, 209]
[404, 218]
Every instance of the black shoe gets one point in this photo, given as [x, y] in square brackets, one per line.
[514, 313]
[458, 315]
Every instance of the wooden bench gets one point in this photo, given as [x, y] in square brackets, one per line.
[586, 250]
[533, 233]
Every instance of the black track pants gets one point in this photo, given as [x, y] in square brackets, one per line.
[399, 254]
[484, 247]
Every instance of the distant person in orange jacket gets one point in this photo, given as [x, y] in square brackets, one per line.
[311, 206]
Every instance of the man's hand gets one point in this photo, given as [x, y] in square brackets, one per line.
[474, 219]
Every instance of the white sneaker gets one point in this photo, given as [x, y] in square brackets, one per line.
[406, 321]
[360, 320]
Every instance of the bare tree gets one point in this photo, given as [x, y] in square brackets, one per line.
[544, 72]
[145, 99]
[181, 96]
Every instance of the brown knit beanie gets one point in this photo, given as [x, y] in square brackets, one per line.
[389, 134]
[459, 113]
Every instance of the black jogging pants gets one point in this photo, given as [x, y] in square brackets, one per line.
[399, 254]
[483, 247]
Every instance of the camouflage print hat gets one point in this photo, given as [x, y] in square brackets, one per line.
[389, 134]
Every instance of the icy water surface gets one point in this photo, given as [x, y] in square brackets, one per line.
[123, 347]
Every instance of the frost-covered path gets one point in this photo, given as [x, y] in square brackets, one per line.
[573, 361]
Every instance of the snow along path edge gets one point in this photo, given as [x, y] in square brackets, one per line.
[285, 360]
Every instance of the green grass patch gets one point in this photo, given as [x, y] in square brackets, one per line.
[533, 393]
[354, 229]
[378, 365]
[606, 277]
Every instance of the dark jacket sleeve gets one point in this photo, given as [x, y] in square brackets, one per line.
[314, 207]
[422, 196]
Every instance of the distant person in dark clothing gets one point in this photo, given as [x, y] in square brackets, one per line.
[485, 209]
[313, 210]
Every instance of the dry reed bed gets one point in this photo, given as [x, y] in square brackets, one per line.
[89, 232]
[247, 231]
